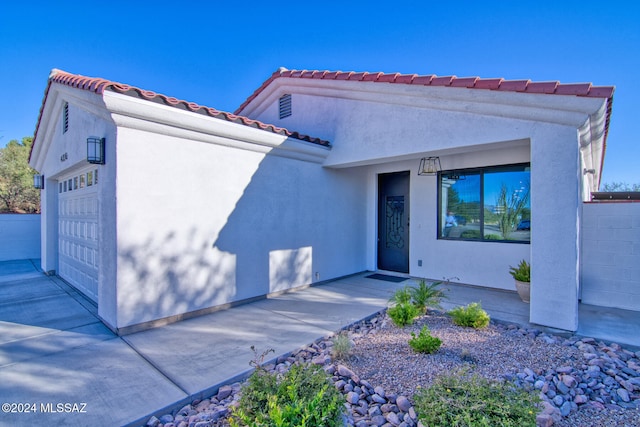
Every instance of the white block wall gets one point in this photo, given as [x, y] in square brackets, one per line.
[611, 255]
[19, 236]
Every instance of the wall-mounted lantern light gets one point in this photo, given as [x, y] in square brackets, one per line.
[95, 150]
[429, 166]
[38, 181]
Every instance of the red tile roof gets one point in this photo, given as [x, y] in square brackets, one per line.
[99, 85]
[526, 86]
[499, 84]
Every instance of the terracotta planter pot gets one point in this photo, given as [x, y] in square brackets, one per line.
[524, 289]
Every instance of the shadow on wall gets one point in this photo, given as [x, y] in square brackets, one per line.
[172, 274]
[296, 223]
[286, 225]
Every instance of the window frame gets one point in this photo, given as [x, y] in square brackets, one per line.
[481, 171]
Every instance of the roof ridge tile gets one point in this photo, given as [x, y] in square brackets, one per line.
[99, 85]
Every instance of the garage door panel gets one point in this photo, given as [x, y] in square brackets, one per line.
[78, 233]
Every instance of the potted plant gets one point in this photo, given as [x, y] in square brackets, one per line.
[522, 276]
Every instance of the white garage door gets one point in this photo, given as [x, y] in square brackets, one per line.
[78, 231]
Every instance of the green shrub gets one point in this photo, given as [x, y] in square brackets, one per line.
[341, 346]
[468, 401]
[403, 314]
[522, 272]
[303, 397]
[401, 296]
[426, 295]
[424, 342]
[472, 315]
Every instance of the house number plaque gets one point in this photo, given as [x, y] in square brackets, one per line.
[64, 157]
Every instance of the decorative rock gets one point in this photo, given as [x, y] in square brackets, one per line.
[379, 391]
[623, 394]
[581, 399]
[569, 381]
[345, 372]
[392, 418]
[353, 398]
[378, 420]
[562, 387]
[166, 419]
[224, 392]
[544, 420]
[378, 399]
[564, 370]
[565, 409]
[320, 360]
[374, 410]
[558, 400]
[403, 403]
[153, 422]
[412, 414]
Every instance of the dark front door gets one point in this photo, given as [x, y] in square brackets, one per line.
[393, 222]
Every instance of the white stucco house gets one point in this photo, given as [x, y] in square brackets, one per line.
[316, 176]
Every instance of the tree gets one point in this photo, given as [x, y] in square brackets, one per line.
[512, 205]
[16, 179]
[619, 186]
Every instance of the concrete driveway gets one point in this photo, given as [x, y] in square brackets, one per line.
[60, 366]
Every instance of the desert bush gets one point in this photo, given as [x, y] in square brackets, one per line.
[425, 342]
[401, 296]
[403, 314]
[303, 397]
[472, 315]
[426, 295]
[461, 400]
[342, 346]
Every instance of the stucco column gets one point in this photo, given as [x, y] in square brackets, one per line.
[49, 224]
[555, 200]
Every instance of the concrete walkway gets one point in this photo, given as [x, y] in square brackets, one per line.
[54, 350]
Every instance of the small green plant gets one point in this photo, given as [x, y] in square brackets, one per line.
[472, 315]
[401, 296]
[403, 314]
[522, 272]
[425, 342]
[341, 346]
[493, 237]
[468, 401]
[303, 397]
[471, 234]
[426, 295]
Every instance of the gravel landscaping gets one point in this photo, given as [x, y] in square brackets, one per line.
[583, 382]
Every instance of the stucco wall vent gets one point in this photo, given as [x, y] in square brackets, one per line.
[65, 117]
[285, 105]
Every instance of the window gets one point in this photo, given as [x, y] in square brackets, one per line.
[486, 204]
[284, 104]
[89, 178]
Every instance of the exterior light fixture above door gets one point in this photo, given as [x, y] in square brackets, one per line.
[429, 166]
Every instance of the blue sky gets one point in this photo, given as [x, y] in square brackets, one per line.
[218, 53]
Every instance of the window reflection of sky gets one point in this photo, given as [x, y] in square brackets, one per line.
[468, 188]
[518, 182]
